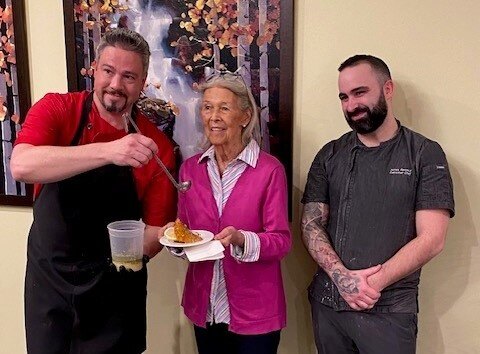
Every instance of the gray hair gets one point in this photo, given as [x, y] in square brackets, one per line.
[127, 40]
[234, 83]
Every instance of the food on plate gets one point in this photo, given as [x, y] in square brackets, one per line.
[182, 234]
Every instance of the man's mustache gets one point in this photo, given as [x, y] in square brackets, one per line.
[357, 110]
[116, 92]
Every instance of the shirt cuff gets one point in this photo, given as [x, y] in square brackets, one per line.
[250, 252]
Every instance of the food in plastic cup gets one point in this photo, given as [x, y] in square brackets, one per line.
[126, 243]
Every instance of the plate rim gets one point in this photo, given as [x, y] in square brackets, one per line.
[208, 237]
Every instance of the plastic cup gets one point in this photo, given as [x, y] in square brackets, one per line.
[126, 243]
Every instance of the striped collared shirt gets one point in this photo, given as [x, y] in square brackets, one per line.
[222, 186]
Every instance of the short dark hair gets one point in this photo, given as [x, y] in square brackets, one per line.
[127, 40]
[377, 64]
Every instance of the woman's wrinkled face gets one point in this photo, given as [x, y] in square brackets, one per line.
[222, 117]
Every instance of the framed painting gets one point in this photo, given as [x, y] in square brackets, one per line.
[189, 40]
[14, 96]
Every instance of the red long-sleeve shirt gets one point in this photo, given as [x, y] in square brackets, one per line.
[53, 121]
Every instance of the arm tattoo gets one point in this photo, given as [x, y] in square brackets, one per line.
[316, 239]
[346, 284]
[315, 236]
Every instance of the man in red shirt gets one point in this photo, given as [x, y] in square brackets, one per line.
[88, 171]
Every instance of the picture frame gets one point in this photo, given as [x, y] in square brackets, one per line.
[253, 37]
[15, 97]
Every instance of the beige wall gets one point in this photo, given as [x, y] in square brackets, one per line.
[433, 50]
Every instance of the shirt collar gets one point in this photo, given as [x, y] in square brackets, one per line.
[358, 142]
[249, 155]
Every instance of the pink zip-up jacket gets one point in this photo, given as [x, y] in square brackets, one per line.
[257, 203]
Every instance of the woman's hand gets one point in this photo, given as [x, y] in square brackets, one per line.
[230, 236]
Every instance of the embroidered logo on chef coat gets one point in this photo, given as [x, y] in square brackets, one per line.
[401, 171]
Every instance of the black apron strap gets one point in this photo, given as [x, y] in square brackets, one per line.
[86, 108]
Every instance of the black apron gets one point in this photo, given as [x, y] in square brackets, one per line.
[75, 300]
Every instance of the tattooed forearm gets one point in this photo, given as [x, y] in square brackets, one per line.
[344, 282]
[316, 213]
[315, 236]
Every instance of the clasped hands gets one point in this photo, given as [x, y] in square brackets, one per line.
[359, 288]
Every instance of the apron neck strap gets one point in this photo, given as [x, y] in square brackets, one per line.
[86, 108]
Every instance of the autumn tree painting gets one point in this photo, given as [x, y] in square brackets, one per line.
[234, 27]
[189, 40]
[11, 86]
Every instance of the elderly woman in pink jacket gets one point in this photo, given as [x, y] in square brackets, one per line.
[239, 193]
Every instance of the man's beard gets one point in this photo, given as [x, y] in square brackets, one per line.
[373, 119]
[113, 106]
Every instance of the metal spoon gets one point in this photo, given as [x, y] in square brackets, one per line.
[181, 186]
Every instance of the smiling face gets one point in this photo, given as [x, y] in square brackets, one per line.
[119, 79]
[363, 98]
[222, 118]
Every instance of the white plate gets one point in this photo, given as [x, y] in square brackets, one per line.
[204, 234]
